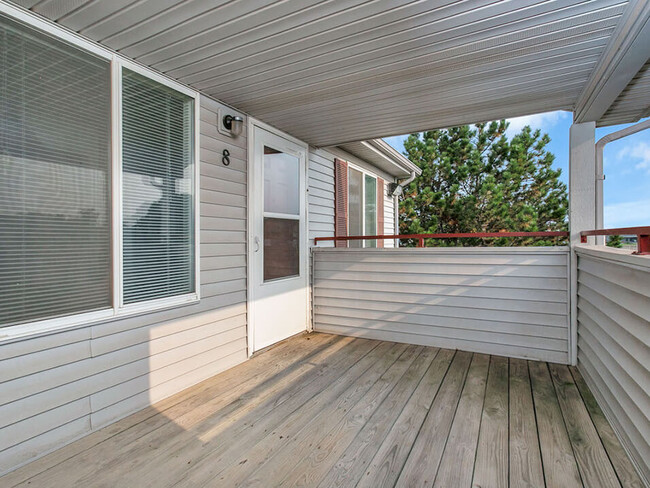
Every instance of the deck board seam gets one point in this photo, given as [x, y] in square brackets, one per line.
[392, 345]
[480, 421]
[394, 417]
[600, 438]
[351, 407]
[425, 417]
[509, 481]
[566, 428]
[460, 395]
[333, 380]
[387, 396]
[539, 440]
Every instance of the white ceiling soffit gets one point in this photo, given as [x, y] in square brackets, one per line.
[334, 71]
[383, 156]
[633, 103]
[626, 54]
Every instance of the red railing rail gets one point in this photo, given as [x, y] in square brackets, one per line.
[421, 237]
[642, 236]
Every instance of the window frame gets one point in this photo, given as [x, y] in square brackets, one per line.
[364, 172]
[118, 310]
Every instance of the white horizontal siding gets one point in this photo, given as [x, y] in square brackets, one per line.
[58, 387]
[507, 301]
[614, 342]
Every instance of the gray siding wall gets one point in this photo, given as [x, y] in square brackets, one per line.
[321, 195]
[58, 387]
[614, 342]
[506, 301]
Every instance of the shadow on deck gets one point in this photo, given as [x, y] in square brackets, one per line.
[324, 410]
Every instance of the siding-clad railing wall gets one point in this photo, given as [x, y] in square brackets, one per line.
[614, 342]
[58, 387]
[506, 301]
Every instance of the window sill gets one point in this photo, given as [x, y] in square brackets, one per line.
[21, 332]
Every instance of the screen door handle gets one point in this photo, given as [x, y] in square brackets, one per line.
[257, 243]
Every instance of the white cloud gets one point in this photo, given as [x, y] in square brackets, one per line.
[636, 153]
[542, 121]
[627, 214]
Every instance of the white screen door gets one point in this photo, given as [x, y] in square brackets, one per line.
[278, 244]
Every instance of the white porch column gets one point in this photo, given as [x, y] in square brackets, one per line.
[582, 209]
[582, 179]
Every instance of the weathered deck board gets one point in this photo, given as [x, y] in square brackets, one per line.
[355, 459]
[593, 462]
[491, 467]
[311, 468]
[388, 463]
[625, 471]
[525, 463]
[560, 467]
[423, 461]
[457, 461]
[329, 411]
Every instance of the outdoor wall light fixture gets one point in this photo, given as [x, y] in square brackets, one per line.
[234, 123]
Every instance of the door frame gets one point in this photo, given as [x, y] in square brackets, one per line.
[251, 125]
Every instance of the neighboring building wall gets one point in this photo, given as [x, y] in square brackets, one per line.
[505, 301]
[61, 386]
[321, 194]
[614, 342]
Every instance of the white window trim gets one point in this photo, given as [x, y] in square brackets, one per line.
[118, 310]
[364, 172]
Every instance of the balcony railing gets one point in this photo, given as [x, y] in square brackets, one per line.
[642, 236]
[421, 237]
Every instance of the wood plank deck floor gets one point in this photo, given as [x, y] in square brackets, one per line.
[323, 410]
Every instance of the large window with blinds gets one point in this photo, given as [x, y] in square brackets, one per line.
[55, 221]
[97, 215]
[157, 169]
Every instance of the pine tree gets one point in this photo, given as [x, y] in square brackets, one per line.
[615, 241]
[476, 180]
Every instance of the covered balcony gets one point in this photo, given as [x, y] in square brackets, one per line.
[458, 367]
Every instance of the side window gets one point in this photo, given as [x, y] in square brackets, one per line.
[355, 206]
[370, 209]
[362, 207]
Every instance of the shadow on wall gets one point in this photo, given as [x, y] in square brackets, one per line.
[195, 435]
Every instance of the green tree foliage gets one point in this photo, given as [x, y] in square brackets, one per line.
[476, 180]
[615, 241]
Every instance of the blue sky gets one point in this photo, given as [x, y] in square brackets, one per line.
[627, 165]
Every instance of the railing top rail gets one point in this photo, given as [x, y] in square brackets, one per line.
[642, 236]
[421, 237]
[617, 231]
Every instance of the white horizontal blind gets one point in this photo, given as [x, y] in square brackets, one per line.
[54, 177]
[158, 190]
